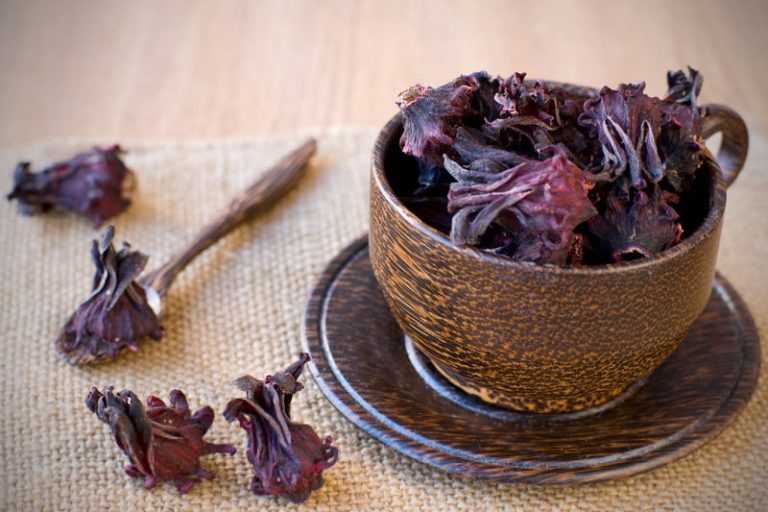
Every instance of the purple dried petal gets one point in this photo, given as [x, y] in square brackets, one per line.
[627, 124]
[684, 88]
[680, 144]
[431, 116]
[474, 151]
[635, 227]
[96, 184]
[288, 458]
[116, 315]
[538, 203]
[163, 444]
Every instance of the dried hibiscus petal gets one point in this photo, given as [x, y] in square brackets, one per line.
[684, 88]
[288, 457]
[164, 443]
[96, 184]
[680, 142]
[627, 123]
[116, 314]
[431, 117]
[473, 150]
[636, 225]
[537, 203]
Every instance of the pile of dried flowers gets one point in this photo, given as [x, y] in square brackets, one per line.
[528, 171]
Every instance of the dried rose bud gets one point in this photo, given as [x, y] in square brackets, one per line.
[288, 457]
[163, 443]
[96, 184]
[116, 315]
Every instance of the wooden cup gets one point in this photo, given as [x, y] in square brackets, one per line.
[541, 338]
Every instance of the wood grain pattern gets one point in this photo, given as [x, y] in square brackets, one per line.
[361, 364]
[181, 69]
[532, 337]
[256, 199]
[735, 141]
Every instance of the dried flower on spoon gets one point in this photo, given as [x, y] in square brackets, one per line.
[529, 171]
[122, 308]
[117, 314]
[288, 457]
[96, 184]
[164, 443]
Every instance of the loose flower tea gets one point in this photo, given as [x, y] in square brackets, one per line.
[96, 184]
[164, 443]
[288, 457]
[527, 171]
[116, 315]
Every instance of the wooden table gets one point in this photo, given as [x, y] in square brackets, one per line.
[157, 70]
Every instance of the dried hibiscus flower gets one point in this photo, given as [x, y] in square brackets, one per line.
[681, 143]
[164, 443]
[96, 184]
[627, 123]
[288, 457]
[538, 204]
[684, 88]
[636, 225]
[116, 314]
[433, 115]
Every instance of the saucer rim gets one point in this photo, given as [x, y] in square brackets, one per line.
[376, 426]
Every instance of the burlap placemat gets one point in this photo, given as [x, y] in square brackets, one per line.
[238, 310]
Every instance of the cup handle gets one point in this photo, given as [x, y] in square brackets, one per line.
[733, 148]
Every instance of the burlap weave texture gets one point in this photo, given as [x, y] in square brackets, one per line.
[238, 309]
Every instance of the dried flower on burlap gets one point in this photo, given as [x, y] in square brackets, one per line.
[288, 457]
[96, 184]
[540, 174]
[164, 443]
[116, 314]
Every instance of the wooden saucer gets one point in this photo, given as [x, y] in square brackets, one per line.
[363, 365]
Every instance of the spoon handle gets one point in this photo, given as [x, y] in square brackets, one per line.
[248, 204]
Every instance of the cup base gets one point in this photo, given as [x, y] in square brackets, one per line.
[491, 403]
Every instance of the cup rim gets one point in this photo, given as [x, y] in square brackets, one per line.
[716, 208]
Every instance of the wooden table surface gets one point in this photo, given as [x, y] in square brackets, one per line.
[159, 70]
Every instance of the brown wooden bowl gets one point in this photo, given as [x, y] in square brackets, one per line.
[542, 338]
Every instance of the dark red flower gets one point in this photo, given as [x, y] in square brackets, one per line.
[288, 457]
[636, 225]
[473, 150]
[627, 123]
[96, 184]
[681, 142]
[537, 204]
[116, 314]
[431, 116]
[534, 118]
[163, 443]
[684, 88]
